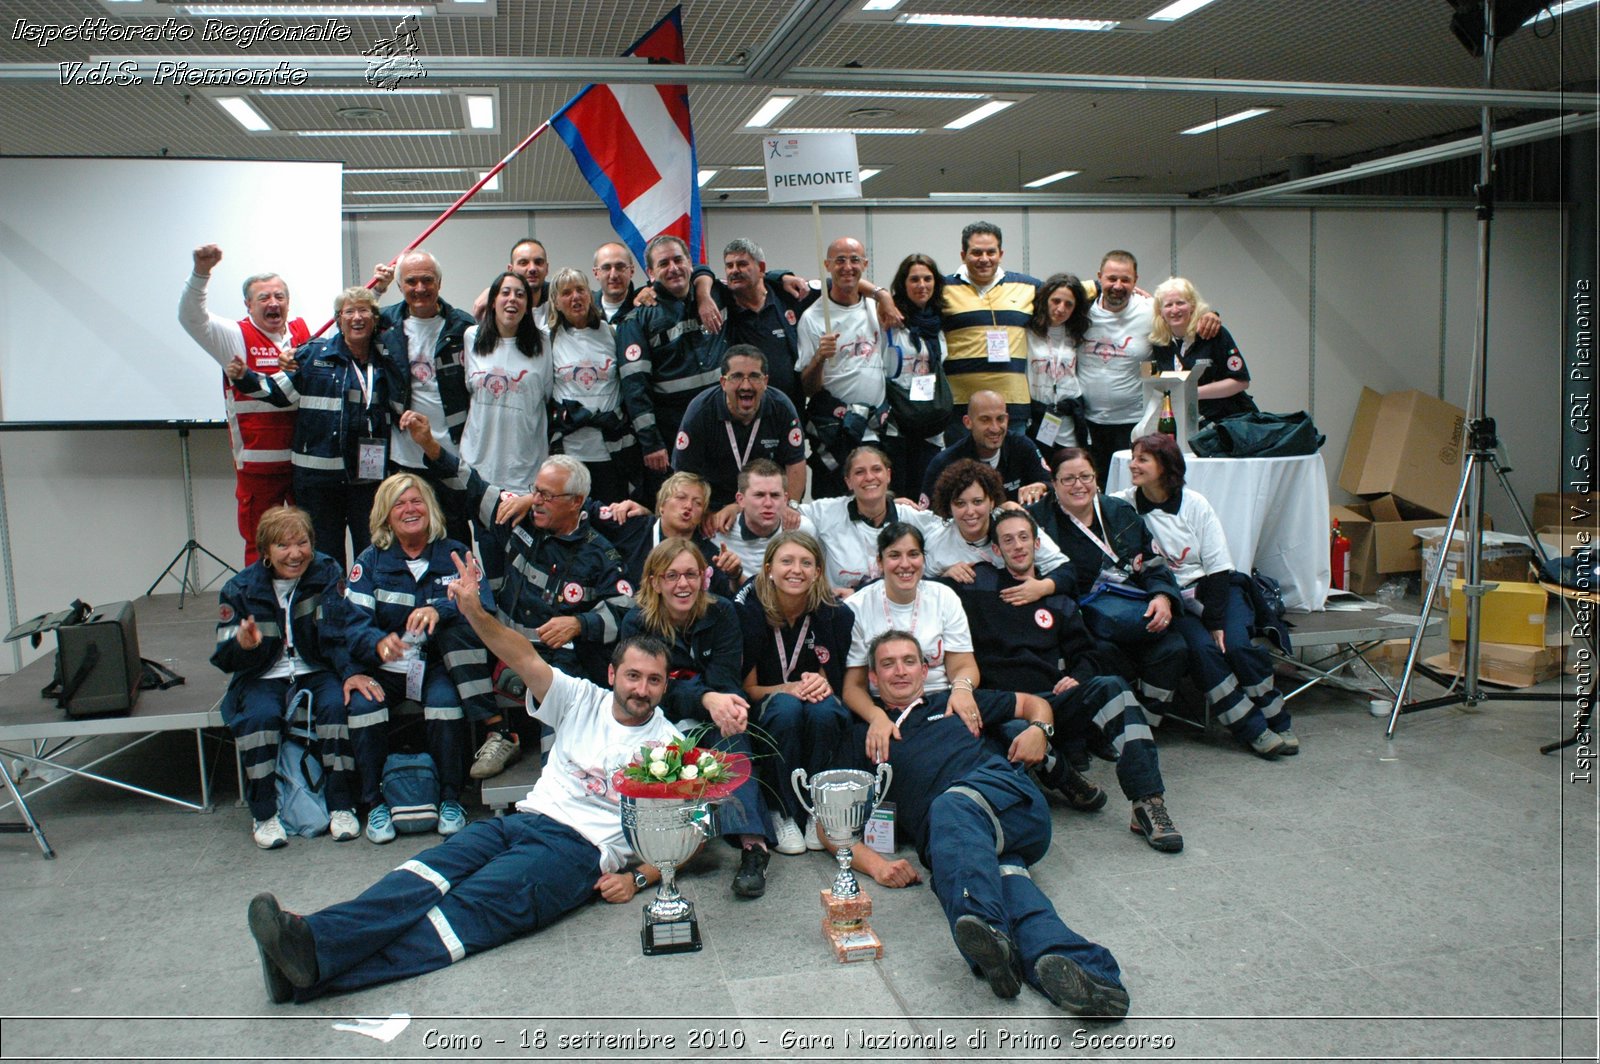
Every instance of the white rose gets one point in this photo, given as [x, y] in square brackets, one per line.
[707, 759]
[689, 772]
[658, 768]
[658, 754]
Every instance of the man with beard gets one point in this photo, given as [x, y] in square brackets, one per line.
[727, 428]
[501, 877]
[990, 441]
[531, 262]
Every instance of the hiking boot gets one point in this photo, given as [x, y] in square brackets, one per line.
[285, 939]
[1269, 744]
[1150, 819]
[269, 833]
[1291, 744]
[496, 754]
[380, 825]
[1073, 989]
[993, 952]
[751, 879]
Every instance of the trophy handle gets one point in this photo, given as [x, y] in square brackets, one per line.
[885, 777]
[797, 780]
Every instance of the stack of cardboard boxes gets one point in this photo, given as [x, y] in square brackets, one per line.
[1404, 459]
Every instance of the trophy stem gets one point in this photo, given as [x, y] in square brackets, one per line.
[844, 883]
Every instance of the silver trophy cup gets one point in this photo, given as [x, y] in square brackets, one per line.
[842, 801]
[665, 832]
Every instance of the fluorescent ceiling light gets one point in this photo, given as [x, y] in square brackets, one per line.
[300, 10]
[375, 132]
[1051, 179]
[774, 107]
[703, 176]
[410, 170]
[352, 90]
[888, 131]
[1006, 22]
[491, 185]
[906, 94]
[1557, 10]
[865, 174]
[880, 5]
[1228, 120]
[480, 112]
[978, 114]
[1174, 11]
[244, 114]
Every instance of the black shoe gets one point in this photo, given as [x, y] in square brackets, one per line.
[751, 879]
[279, 990]
[994, 954]
[1073, 989]
[285, 940]
[1073, 787]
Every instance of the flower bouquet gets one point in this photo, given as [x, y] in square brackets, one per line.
[681, 769]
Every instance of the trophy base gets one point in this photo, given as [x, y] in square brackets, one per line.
[679, 936]
[844, 924]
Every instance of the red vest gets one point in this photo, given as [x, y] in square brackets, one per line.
[261, 432]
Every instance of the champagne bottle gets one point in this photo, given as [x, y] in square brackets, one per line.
[1168, 425]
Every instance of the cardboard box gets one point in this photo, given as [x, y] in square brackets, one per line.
[1502, 663]
[1559, 542]
[1571, 508]
[1499, 561]
[1511, 613]
[1406, 444]
[1382, 539]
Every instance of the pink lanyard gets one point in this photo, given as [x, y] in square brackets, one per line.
[788, 664]
[1096, 540]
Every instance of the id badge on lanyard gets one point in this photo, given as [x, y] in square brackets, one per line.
[1049, 429]
[372, 453]
[997, 345]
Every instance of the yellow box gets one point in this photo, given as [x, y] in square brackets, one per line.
[1510, 613]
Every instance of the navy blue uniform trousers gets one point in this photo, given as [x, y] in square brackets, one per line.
[495, 880]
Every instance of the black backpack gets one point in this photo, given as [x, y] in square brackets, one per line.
[1258, 435]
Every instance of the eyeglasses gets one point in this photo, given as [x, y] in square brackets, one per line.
[551, 496]
[1069, 479]
[744, 378]
[674, 576]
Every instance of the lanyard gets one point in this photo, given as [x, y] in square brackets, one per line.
[1096, 540]
[740, 460]
[916, 605]
[904, 713]
[784, 660]
[366, 386]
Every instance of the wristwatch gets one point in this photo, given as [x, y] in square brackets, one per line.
[1048, 729]
[640, 880]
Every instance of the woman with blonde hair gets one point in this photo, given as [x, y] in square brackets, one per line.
[1174, 344]
[703, 635]
[398, 610]
[796, 639]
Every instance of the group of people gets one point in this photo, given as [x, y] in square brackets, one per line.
[937, 602]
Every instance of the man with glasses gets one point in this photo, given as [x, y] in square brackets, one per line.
[613, 269]
[563, 588]
[728, 427]
[841, 369]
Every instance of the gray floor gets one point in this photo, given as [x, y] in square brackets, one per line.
[1431, 897]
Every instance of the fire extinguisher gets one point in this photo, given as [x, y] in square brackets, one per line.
[1339, 558]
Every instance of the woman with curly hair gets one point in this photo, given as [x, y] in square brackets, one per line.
[967, 495]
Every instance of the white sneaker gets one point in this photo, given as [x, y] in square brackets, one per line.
[269, 833]
[813, 836]
[789, 839]
[343, 825]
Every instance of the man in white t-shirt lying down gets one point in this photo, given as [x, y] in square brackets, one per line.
[502, 877]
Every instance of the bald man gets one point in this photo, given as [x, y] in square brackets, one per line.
[1014, 457]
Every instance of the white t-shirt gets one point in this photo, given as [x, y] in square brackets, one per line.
[852, 546]
[935, 618]
[590, 746]
[586, 371]
[422, 336]
[507, 435]
[856, 372]
[750, 550]
[946, 547]
[1109, 358]
[1052, 366]
[288, 666]
[1191, 540]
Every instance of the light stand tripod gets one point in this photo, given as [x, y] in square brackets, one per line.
[1482, 445]
[186, 553]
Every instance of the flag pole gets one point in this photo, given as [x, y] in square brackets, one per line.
[822, 257]
[459, 203]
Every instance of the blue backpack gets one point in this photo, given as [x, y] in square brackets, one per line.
[410, 788]
[301, 779]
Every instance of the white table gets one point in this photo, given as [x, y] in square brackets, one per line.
[1274, 512]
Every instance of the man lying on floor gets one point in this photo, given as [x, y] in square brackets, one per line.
[502, 877]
